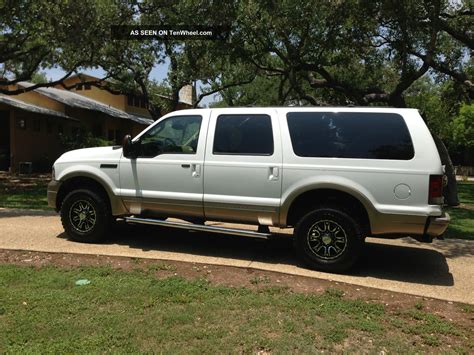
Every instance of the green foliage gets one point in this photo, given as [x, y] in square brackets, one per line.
[263, 91]
[351, 52]
[297, 52]
[66, 34]
[83, 139]
[427, 97]
[463, 126]
[39, 78]
[159, 95]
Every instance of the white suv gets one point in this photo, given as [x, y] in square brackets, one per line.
[337, 175]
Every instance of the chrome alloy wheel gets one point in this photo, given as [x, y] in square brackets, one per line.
[82, 216]
[327, 239]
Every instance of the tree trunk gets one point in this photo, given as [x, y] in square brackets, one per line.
[450, 193]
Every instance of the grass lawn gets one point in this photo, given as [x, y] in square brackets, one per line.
[462, 217]
[24, 191]
[42, 310]
[30, 193]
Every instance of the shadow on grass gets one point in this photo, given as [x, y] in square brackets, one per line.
[466, 192]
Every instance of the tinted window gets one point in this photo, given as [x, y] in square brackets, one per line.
[178, 135]
[350, 135]
[243, 135]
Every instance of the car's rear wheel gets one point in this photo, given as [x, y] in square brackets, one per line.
[85, 216]
[329, 239]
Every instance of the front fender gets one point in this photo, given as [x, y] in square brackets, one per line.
[109, 185]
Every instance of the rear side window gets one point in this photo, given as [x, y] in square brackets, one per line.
[243, 135]
[360, 135]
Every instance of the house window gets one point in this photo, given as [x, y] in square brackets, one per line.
[36, 125]
[137, 101]
[87, 86]
[79, 87]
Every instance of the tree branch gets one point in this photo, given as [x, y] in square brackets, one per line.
[461, 78]
[7, 91]
[221, 88]
[459, 35]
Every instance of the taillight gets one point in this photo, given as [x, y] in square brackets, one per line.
[435, 196]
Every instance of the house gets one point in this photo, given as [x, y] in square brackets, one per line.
[31, 123]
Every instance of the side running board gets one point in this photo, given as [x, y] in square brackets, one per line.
[198, 227]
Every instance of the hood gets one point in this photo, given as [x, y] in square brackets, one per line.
[91, 155]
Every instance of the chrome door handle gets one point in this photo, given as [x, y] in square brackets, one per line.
[196, 170]
[273, 173]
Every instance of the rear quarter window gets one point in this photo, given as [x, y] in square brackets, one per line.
[362, 135]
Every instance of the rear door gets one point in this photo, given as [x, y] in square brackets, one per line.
[242, 169]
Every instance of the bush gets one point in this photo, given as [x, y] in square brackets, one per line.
[83, 139]
[463, 126]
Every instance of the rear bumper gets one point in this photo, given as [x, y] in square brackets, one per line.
[53, 188]
[436, 226]
[422, 228]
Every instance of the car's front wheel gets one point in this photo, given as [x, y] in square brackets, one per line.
[329, 239]
[85, 216]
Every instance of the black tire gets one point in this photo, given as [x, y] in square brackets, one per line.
[329, 239]
[94, 208]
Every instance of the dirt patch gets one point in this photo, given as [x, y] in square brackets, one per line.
[246, 277]
[467, 206]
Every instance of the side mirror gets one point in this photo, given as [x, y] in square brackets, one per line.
[127, 145]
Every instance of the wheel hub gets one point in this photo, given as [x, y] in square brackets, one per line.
[327, 239]
[82, 216]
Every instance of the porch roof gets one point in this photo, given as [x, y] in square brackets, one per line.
[10, 101]
[75, 100]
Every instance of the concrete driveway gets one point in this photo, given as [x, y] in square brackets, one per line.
[443, 270]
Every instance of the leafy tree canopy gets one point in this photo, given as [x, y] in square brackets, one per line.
[463, 126]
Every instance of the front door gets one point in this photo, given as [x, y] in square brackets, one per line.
[242, 169]
[4, 140]
[166, 177]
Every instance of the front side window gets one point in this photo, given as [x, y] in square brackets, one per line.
[175, 135]
[363, 135]
[243, 135]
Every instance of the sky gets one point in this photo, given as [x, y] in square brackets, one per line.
[158, 73]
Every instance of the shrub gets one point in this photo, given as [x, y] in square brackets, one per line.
[83, 139]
